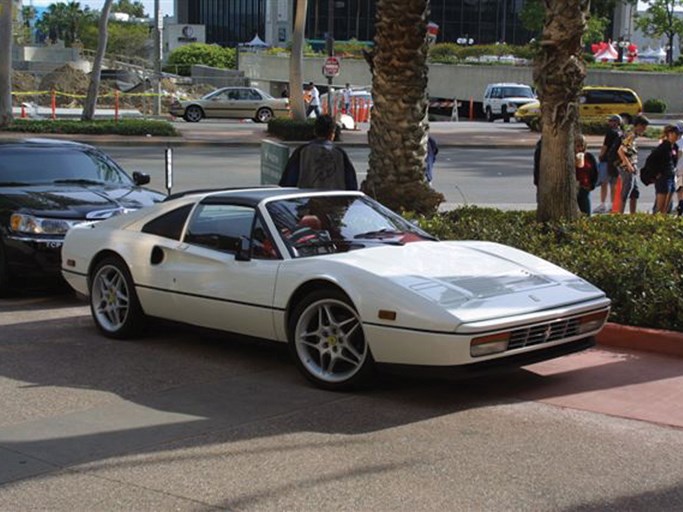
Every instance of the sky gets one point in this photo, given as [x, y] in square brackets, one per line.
[166, 6]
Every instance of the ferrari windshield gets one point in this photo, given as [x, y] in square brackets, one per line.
[41, 165]
[331, 224]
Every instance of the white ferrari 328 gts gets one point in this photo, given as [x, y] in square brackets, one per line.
[348, 284]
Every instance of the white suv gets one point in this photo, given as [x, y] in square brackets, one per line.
[502, 100]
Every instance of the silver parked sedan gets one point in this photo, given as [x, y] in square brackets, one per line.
[232, 102]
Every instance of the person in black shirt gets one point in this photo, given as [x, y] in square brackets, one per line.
[607, 171]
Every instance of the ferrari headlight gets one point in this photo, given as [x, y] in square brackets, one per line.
[31, 225]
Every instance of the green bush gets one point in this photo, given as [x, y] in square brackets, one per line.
[654, 106]
[636, 259]
[141, 127]
[181, 59]
[291, 130]
[451, 52]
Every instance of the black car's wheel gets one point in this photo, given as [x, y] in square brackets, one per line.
[4, 274]
[113, 301]
[264, 115]
[327, 342]
[193, 114]
[489, 115]
[506, 116]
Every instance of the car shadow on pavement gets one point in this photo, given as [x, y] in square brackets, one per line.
[71, 396]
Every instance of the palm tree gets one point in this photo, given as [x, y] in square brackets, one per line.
[5, 62]
[399, 127]
[94, 86]
[296, 62]
[559, 72]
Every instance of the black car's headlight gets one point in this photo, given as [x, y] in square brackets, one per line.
[32, 225]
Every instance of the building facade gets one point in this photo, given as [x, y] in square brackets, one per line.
[231, 22]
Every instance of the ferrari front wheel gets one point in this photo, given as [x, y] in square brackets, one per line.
[113, 301]
[327, 341]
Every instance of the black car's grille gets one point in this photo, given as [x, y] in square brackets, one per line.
[543, 333]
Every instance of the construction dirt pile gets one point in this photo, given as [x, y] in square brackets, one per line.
[68, 80]
[71, 81]
[22, 82]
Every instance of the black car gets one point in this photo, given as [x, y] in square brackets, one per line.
[47, 187]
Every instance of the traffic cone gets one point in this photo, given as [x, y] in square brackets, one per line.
[616, 204]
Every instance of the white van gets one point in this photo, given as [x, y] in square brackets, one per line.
[502, 100]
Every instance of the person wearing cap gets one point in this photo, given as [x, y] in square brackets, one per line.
[664, 158]
[607, 172]
[628, 165]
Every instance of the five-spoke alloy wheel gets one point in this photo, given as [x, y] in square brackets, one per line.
[113, 301]
[328, 343]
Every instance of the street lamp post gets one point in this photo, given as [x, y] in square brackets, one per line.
[157, 58]
[330, 49]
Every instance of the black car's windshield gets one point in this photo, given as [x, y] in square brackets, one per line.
[330, 224]
[39, 165]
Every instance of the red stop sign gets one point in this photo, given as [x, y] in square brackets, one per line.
[331, 67]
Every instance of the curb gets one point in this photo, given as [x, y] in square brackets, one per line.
[641, 338]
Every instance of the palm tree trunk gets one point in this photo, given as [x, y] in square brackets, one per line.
[399, 127]
[296, 63]
[559, 72]
[5, 62]
[94, 87]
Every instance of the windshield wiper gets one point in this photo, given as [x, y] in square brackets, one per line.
[380, 233]
[80, 181]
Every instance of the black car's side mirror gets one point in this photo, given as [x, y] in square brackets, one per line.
[243, 252]
[140, 178]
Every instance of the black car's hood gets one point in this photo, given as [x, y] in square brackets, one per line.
[76, 201]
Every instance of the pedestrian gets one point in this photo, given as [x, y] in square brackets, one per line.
[586, 174]
[664, 159]
[346, 98]
[628, 165]
[607, 171]
[320, 164]
[432, 151]
[314, 102]
[678, 179]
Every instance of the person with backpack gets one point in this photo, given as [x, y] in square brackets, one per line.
[586, 174]
[627, 163]
[607, 171]
[320, 164]
[662, 162]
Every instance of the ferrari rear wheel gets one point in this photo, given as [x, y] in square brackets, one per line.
[327, 341]
[193, 114]
[113, 301]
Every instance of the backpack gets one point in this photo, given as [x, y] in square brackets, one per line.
[612, 155]
[648, 173]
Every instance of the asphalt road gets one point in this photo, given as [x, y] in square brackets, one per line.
[182, 420]
[497, 177]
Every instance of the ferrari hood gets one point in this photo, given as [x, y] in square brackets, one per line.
[476, 281]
